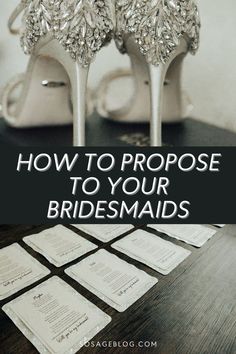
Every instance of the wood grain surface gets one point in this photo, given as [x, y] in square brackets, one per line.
[190, 311]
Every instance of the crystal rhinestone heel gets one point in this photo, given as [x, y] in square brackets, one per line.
[156, 34]
[62, 38]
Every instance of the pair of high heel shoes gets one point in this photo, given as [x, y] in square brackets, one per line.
[63, 36]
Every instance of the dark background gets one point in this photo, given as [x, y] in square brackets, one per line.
[25, 196]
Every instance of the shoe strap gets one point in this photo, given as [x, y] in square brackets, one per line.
[16, 12]
[101, 104]
[103, 87]
[12, 85]
[5, 97]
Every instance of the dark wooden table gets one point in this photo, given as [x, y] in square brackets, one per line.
[190, 311]
[102, 132]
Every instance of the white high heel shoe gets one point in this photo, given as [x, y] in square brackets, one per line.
[62, 38]
[156, 34]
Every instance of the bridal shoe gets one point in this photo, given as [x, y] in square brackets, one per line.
[156, 34]
[114, 95]
[62, 38]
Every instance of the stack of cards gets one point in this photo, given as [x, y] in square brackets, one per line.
[18, 270]
[113, 280]
[104, 233]
[147, 248]
[195, 235]
[59, 245]
[55, 318]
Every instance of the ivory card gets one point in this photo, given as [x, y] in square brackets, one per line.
[219, 225]
[147, 248]
[18, 269]
[59, 245]
[195, 235]
[113, 280]
[104, 233]
[56, 318]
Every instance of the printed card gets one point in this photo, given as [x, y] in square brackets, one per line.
[56, 318]
[113, 280]
[195, 235]
[147, 248]
[59, 245]
[18, 269]
[104, 233]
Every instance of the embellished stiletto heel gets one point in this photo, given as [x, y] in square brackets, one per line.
[62, 38]
[77, 81]
[156, 34]
[173, 102]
